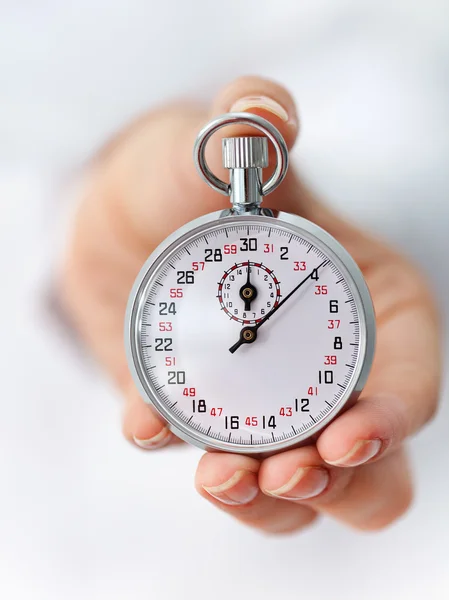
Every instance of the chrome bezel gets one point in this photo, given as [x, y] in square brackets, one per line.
[215, 220]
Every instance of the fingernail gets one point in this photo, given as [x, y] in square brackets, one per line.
[360, 453]
[260, 102]
[307, 482]
[239, 489]
[160, 439]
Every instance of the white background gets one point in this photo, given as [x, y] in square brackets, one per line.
[82, 513]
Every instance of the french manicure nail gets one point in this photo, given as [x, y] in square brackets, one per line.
[306, 482]
[238, 490]
[160, 439]
[260, 102]
[360, 453]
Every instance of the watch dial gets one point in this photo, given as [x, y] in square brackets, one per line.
[218, 365]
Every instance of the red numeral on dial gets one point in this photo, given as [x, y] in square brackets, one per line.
[216, 412]
[165, 326]
[251, 421]
[230, 249]
[176, 293]
[299, 265]
[189, 392]
[286, 411]
[330, 360]
[198, 266]
[333, 324]
[321, 290]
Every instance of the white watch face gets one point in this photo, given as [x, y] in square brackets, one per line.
[248, 334]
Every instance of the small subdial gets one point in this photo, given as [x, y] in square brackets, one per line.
[248, 291]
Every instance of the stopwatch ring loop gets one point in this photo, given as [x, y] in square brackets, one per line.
[248, 119]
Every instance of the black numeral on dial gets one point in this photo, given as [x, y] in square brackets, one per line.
[167, 308]
[211, 255]
[185, 277]
[333, 306]
[248, 244]
[269, 422]
[199, 406]
[232, 422]
[325, 377]
[302, 405]
[163, 344]
[338, 344]
[176, 377]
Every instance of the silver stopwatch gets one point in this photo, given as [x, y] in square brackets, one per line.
[248, 329]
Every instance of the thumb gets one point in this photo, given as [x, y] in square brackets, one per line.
[149, 180]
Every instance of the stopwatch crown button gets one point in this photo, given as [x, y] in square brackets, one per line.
[245, 152]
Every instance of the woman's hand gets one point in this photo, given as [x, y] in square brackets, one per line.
[140, 189]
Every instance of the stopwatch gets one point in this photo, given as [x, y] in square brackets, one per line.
[249, 329]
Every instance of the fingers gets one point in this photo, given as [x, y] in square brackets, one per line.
[230, 482]
[141, 424]
[301, 475]
[369, 497]
[377, 495]
[402, 391]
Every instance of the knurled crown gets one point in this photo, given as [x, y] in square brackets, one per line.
[245, 152]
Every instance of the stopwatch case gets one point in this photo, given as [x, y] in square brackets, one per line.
[218, 219]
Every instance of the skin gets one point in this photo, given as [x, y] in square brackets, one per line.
[143, 186]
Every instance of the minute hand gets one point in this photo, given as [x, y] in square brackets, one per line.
[249, 334]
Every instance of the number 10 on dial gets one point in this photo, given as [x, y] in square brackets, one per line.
[249, 330]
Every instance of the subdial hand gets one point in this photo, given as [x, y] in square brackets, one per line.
[248, 292]
[249, 334]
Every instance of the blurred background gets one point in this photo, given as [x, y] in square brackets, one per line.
[82, 513]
